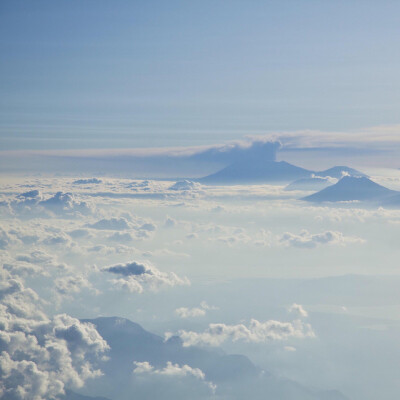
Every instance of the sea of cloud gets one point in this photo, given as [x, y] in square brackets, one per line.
[164, 253]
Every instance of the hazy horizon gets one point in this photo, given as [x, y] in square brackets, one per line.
[199, 200]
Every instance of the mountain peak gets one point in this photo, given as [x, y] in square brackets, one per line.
[351, 188]
[256, 171]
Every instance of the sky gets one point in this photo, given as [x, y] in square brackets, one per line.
[199, 199]
[97, 74]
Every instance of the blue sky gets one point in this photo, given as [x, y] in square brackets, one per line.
[99, 74]
[138, 180]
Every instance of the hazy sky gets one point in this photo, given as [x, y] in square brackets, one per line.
[100, 74]
[146, 178]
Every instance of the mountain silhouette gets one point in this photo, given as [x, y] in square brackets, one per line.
[235, 375]
[256, 171]
[312, 184]
[340, 171]
[263, 170]
[351, 188]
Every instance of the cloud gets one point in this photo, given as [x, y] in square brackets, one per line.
[148, 227]
[134, 276]
[79, 233]
[34, 203]
[42, 259]
[6, 239]
[115, 224]
[298, 310]
[87, 181]
[185, 186]
[60, 239]
[255, 332]
[42, 356]
[249, 149]
[68, 285]
[157, 161]
[173, 371]
[22, 268]
[120, 237]
[184, 312]
[170, 222]
[65, 203]
[308, 240]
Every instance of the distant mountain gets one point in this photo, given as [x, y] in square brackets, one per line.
[339, 171]
[130, 342]
[236, 376]
[313, 184]
[257, 171]
[352, 188]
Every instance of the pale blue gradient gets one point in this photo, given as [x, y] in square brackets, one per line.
[99, 74]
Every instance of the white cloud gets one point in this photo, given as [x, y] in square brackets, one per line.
[115, 224]
[68, 285]
[135, 276]
[6, 239]
[34, 204]
[298, 310]
[256, 332]
[184, 312]
[186, 186]
[170, 222]
[172, 370]
[87, 181]
[42, 356]
[308, 240]
[121, 237]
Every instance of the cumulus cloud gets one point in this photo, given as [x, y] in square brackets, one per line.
[184, 312]
[115, 224]
[120, 237]
[298, 310]
[87, 181]
[38, 258]
[68, 285]
[65, 203]
[135, 276]
[256, 332]
[6, 239]
[170, 222]
[79, 233]
[308, 240]
[185, 186]
[148, 227]
[59, 239]
[22, 268]
[34, 203]
[173, 370]
[39, 356]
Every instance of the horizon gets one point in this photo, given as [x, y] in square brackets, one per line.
[199, 200]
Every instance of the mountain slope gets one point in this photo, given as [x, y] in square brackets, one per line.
[312, 184]
[235, 376]
[340, 171]
[352, 188]
[256, 171]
